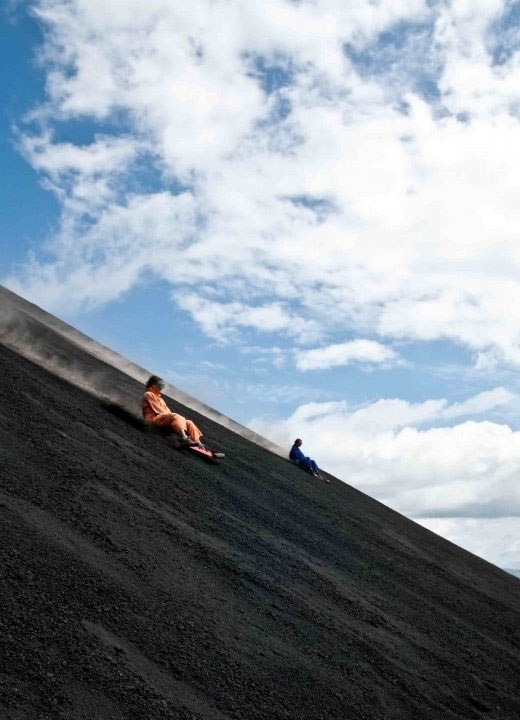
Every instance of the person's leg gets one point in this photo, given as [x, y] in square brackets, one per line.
[314, 467]
[163, 420]
[186, 429]
[193, 431]
[305, 464]
[175, 421]
[178, 424]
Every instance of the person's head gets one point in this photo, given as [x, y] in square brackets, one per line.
[155, 382]
[297, 442]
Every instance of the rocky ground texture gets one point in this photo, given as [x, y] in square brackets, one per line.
[140, 583]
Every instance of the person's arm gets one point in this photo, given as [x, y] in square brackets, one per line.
[295, 454]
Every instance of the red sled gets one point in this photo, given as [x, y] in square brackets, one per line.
[205, 453]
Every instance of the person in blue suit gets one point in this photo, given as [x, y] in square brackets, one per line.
[306, 463]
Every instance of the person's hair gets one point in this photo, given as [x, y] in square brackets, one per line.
[297, 440]
[155, 380]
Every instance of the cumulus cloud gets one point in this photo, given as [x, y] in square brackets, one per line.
[360, 351]
[389, 415]
[493, 537]
[479, 404]
[412, 457]
[321, 175]
[100, 261]
[217, 318]
[84, 178]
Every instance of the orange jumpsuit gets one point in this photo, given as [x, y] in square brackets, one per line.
[156, 412]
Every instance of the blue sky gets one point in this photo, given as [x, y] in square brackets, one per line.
[304, 214]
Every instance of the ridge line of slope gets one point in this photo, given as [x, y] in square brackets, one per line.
[14, 338]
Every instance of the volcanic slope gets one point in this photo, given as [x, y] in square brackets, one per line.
[140, 583]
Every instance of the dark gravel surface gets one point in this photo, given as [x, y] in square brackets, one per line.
[140, 583]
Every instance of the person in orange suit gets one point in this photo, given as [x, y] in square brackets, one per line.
[156, 412]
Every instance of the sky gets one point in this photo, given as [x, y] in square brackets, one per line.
[302, 212]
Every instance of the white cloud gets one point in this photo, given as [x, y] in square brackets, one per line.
[391, 415]
[104, 155]
[360, 351]
[217, 318]
[479, 404]
[495, 538]
[85, 178]
[387, 450]
[471, 82]
[101, 261]
[418, 237]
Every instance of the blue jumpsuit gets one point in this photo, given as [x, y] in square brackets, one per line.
[302, 461]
